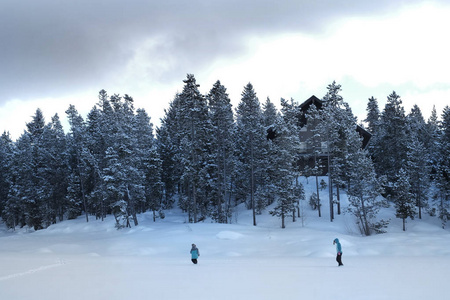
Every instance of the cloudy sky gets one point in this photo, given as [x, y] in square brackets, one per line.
[54, 53]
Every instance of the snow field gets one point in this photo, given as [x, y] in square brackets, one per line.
[76, 260]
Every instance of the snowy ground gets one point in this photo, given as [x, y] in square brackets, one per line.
[79, 260]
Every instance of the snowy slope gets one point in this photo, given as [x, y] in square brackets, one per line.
[79, 260]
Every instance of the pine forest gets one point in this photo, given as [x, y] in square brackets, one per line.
[208, 157]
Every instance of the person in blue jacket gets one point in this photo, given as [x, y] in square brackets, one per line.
[194, 253]
[338, 252]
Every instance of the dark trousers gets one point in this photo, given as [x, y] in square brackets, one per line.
[339, 259]
[194, 260]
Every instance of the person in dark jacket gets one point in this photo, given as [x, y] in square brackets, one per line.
[194, 253]
[338, 252]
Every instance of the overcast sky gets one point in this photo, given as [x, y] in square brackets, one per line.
[54, 53]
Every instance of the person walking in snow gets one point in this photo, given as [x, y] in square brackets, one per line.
[194, 254]
[338, 252]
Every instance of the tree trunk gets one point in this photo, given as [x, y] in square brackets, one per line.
[83, 195]
[338, 200]
[252, 183]
[330, 191]
[364, 217]
[132, 208]
[318, 197]
[194, 202]
[330, 186]
[419, 200]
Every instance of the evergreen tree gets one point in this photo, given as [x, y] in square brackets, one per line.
[373, 115]
[36, 127]
[404, 202]
[54, 183]
[36, 193]
[169, 150]
[265, 194]
[270, 116]
[125, 142]
[17, 207]
[373, 124]
[417, 126]
[79, 168]
[391, 149]
[315, 144]
[97, 142]
[432, 142]
[6, 152]
[417, 168]
[149, 163]
[442, 177]
[28, 196]
[6, 160]
[363, 193]
[290, 112]
[222, 150]
[153, 183]
[116, 188]
[250, 137]
[335, 126]
[194, 134]
[282, 151]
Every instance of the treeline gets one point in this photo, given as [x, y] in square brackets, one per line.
[207, 158]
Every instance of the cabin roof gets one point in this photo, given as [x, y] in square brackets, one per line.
[319, 103]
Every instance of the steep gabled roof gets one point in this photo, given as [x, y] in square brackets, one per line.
[319, 103]
[312, 100]
[306, 105]
[365, 136]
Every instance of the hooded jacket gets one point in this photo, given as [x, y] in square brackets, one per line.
[194, 252]
[338, 245]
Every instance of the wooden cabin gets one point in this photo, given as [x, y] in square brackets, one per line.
[305, 134]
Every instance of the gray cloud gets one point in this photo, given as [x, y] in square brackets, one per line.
[53, 47]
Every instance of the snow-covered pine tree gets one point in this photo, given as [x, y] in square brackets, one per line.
[6, 159]
[98, 139]
[250, 138]
[291, 113]
[154, 185]
[6, 148]
[314, 143]
[222, 150]
[116, 188]
[28, 195]
[78, 165]
[126, 137]
[402, 197]
[373, 115]
[432, 133]
[17, 207]
[418, 162]
[336, 127]
[195, 135]
[266, 194]
[391, 144]
[330, 127]
[56, 172]
[416, 124]
[363, 192]
[169, 150]
[442, 177]
[282, 150]
[148, 163]
[373, 122]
